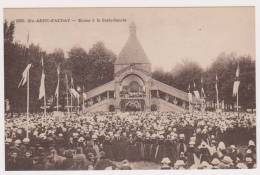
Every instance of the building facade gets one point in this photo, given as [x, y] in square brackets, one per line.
[133, 88]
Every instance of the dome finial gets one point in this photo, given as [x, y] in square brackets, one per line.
[132, 28]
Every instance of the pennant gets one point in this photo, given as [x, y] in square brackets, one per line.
[42, 85]
[235, 88]
[25, 75]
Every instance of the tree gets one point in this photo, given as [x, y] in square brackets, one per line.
[103, 65]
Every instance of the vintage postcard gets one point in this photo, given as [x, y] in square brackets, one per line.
[129, 88]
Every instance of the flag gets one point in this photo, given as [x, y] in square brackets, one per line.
[67, 82]
[25, 75]
[202, 89]
[84, 95]
[194, 85]
[197, 94]
[189, 88]
[42, 85]
[58, 84]
[236, 83]
[195, 91]
[190, 97]
[74, 93]
[216, 85]
[72, 82]
[237, 71]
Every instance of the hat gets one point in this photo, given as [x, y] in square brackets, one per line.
[18, 141]
[109, 168]
[215, 162]
[81, 139]
[227, 160]
[204, 165]
[232, 146]
[241, 166]
[26, 140]
[8, 140]
[179, 163]
[249, 151]
[69, 154]
[182, 136]
[166, 160]
[221, 145]
[251, 143]
[249, 159]
[125, 163]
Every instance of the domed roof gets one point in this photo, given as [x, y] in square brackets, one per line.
[132, 52]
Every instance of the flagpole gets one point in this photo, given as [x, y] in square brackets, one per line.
[58, 92]
[70, 103]
[67, 101]
[78, 105]
[28, 98]
[237, 104]
[83, 100]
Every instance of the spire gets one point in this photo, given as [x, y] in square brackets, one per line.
[133, 51]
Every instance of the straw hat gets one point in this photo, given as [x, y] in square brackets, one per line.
[166, 160]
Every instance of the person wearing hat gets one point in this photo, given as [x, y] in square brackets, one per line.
[165, 164]
[125, 165]
[204, 165]
[107, 147]
[159, 154]
[147, 146]
[215, 163]
[80, 159]
[226, 163]
[26, 161]
[181, 146]
[13, 162]
[179, 164]
[69, 163]
[204, 152]
[131, 148]
[58, 159]
[249, 162]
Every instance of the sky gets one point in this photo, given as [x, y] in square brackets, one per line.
[168, 35]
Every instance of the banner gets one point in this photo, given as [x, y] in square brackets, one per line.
[24, 75]
[235, 87]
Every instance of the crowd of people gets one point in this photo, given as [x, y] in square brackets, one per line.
[109, 140]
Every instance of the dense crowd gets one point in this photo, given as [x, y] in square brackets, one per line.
[100, 141]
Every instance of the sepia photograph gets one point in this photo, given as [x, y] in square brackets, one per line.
[129, 88]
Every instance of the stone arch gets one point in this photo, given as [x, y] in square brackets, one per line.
[135, 72]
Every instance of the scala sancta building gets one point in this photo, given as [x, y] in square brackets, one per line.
[133, 88]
